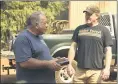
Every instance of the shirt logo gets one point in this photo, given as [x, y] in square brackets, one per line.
[89, 32]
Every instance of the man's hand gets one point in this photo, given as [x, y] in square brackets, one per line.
[105, 74]
[54, 65]
[63, 61]
[70, 70]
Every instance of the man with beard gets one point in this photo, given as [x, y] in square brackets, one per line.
[90, 41]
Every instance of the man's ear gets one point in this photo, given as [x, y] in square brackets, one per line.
[37, 26]
[98, 16]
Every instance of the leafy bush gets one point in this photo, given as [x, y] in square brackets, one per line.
[14, 14]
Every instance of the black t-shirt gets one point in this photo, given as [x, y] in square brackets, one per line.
[91, 42]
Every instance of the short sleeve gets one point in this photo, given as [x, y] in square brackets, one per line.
[22, 49]
[107, 38]
[75, 35]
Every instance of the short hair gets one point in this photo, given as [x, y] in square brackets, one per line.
[34, 18]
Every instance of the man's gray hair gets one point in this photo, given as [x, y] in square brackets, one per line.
[34, 18]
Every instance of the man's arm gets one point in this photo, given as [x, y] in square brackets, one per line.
[71, 54]
[108, 57]
[32, 63]
[106, 71]
[108, 42]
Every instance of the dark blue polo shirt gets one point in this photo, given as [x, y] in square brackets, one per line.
[28, 46]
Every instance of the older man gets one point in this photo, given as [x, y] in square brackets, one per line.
[91, 41]
[33, 61]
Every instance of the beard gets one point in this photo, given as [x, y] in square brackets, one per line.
[88, 22]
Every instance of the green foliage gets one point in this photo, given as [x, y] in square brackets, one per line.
[14, 14]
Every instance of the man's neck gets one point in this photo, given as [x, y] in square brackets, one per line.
[93, 24]
[33, 31]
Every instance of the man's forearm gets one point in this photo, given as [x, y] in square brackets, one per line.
[108, 57]
[71, 54]
[34, 63]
